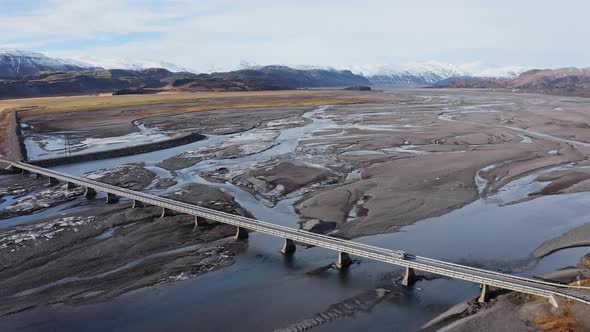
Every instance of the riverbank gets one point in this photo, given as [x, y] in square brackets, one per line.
[518, 312]
[577, 237]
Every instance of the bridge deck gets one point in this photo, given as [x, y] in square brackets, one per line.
[480, 276]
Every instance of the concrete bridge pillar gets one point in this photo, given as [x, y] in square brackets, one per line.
[70, 186]
[165, 213]
[241, 233]
[485, 294]
[137, 204]
[52, 181]
[344, 261]
[89, 192]
[24, 171]
[553, 301]
[37, 176]
[409, 277]
[289, 247]
[201, 221]
[112, 198]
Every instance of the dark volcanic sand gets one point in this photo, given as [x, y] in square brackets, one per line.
[97, 254]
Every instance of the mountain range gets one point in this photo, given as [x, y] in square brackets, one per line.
[562, 81]
[18, 63]
[152, 80]
[427, 73]
[26, 74]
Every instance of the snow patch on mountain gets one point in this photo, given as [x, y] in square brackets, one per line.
[478, 69]
[425, 73]
[20, 55]
[15, 63]
[441, 69]
[129, 64]
[426, 69]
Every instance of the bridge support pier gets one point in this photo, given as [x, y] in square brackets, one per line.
[289, 247]
[24, 171]
[37, 176]
[201, 221]
[52, 181]
[553, 301]
[89, 193]
[241, 233]
[409, 277]
[485, 294]
[165, 213]
[137, 204]
[344, 261]
[112, 198]
[70, 186]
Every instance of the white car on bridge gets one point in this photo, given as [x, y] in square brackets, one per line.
[399, 254]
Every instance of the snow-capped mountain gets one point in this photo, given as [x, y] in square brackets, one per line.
[500, 72]
[17, 63]
[426, 73]
[129, 64]
[423, 73]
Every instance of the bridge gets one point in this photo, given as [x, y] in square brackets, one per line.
[345, 248]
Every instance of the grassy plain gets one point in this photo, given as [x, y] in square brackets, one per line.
[47, 105]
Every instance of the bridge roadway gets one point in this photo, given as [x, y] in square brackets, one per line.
[483, 277]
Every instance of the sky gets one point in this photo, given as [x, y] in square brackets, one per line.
[223, 34]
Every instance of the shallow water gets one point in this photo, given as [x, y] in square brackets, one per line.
[150, 158]
[8, 199]
[57, 211]
[41, 146]
[483, 233]
[264, 290]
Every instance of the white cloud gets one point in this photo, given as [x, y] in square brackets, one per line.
[71, 19]
[202, 34]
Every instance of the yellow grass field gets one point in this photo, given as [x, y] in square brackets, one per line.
[46, 105]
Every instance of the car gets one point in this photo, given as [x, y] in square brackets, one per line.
[399, 254]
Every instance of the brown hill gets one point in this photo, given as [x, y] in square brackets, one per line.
[82, 82]
[563, 81]
[468, 82]
[568, 79]
[269, 78]
[156, 79]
